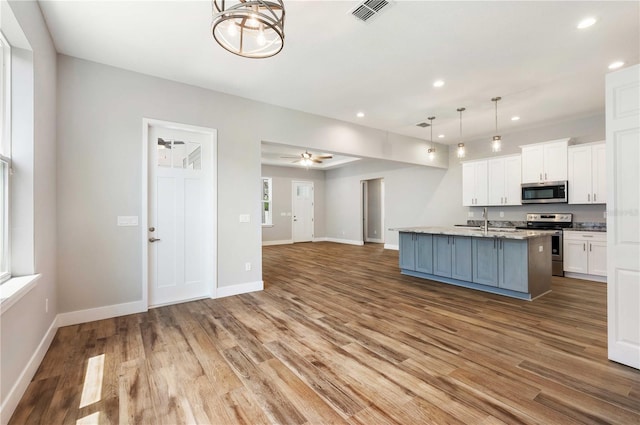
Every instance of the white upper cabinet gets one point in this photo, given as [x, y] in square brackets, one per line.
[586, 167]
[474, 183]
[504, 180]
[544, 162]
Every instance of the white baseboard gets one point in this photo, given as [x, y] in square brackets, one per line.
[344, 241]
[593, 277]
[321, 239]
[391, 246]
[17, 391]
[242, 288]
[283, 242]
[374, 240]
[100, 313]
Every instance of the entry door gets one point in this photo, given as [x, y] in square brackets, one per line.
[623, 224]
[302, 205]
[181, 216]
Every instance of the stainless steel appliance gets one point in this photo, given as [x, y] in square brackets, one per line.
[556, 222]
[545, 192]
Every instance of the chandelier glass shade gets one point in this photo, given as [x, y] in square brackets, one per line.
[249, 28]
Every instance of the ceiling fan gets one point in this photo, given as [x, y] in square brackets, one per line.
[166, 144]
[307, 158]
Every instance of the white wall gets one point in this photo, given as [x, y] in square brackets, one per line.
[24, 326]
[282, 201]
[414, 195]
[100, 112]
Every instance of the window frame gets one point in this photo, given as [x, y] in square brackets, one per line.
[5, 158]
[266, 202]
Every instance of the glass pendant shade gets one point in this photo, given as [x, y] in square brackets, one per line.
[432, 150]
[461, 151]
[249, 28]
[496, 143]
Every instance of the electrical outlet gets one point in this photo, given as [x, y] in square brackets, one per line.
[375, 232]
[247, 267]
[501, 214]
[470, 214]
[540, 248]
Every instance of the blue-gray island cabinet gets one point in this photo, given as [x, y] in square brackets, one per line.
[512, 263]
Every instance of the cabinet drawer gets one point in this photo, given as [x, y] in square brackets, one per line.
[585, 236]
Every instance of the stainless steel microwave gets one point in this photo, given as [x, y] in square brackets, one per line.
[545, 192]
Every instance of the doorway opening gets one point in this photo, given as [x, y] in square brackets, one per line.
[373, 210]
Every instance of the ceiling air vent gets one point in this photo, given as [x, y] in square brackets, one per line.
[369, 9]
[423, 124]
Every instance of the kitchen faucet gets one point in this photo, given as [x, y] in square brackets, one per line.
[485, 214]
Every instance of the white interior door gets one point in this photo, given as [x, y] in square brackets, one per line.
[181, 218]
[623, 222]
[302, 206]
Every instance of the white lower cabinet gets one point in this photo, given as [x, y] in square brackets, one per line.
[585, 253]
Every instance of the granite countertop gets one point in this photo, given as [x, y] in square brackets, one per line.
[476, 232]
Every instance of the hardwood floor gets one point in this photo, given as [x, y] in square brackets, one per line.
[339, 336]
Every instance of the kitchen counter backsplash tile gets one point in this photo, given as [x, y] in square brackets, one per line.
[589, 226]
[497, 223]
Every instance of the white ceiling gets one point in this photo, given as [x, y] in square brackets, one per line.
[273, 153]
[530, 53]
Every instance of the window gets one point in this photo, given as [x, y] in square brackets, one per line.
[5, 156]
[267, 202]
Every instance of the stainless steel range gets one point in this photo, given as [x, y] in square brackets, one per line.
[552, 221]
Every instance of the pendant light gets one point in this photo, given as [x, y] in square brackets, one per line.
[496, 144]
[431, 151]
[461, 151]
[249, 28]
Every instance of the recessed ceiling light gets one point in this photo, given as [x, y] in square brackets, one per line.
[360, 114]
[516, 118]
[440, 136]
[616, 65]
[438, 83]
[586, 23]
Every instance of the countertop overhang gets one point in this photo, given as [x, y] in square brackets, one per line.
[477, 233]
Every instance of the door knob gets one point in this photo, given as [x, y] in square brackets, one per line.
[153, 240]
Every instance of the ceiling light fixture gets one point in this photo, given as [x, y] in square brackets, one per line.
[438, 83]
[461, 151]
[496, 143]
[431, 151]
[586, 23]
[360, 114]
[616, 65]
[440, 136]
[249, 28]
[516, 118]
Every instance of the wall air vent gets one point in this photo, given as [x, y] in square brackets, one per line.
[368, 9]
[423, 124]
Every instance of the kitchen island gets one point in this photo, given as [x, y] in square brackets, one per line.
[515, 263]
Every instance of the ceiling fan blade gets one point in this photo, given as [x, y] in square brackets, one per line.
[178, 142]
[290, 157]
[317, 161]
[324, 156]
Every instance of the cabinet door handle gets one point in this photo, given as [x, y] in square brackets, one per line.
[590, 247]
[594, 197]
[545, 176]
[584, 246]
[588, 197]
[540, 176]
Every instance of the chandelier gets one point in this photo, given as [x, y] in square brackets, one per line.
[249, 28]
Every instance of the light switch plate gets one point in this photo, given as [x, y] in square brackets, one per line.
[540, 248]
[245, 218]
[127, 220]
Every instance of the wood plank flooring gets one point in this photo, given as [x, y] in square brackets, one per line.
[338, 336]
